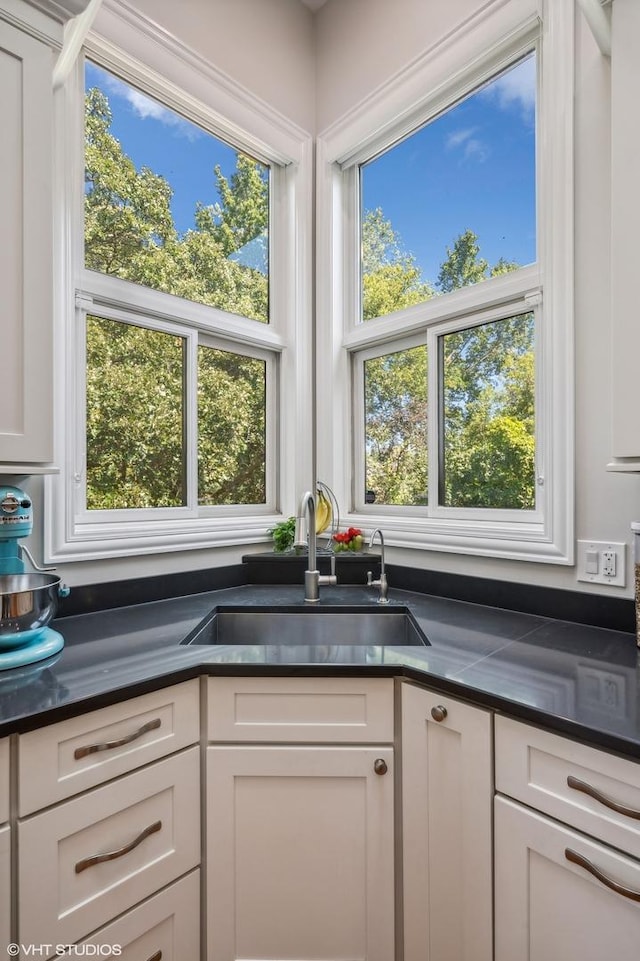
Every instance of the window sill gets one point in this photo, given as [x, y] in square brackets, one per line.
[525, 541]
[103, 541]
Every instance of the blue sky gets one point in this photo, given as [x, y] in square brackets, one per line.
[472, 167]
[155, 137]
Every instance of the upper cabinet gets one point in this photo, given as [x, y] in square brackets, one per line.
[625, 210]
[26, 321]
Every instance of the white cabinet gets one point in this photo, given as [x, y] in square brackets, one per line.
[64, 759]
[547, 906]
[4, 779]
[5, 847]
[300, 837]
[625, 210]
[109, 811]
[166, 927]
[26, 320]
[87, 860]
[447, 800]
[5, 887]
[564, 890]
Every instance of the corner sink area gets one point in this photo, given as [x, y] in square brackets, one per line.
[347, 626]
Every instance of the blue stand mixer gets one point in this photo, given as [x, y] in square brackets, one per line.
[28, 600]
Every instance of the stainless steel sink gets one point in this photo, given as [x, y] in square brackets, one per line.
[309, 626]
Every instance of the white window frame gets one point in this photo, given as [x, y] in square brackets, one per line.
[132, 47]
[484, 45]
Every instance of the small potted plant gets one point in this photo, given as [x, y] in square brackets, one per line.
[283, 535]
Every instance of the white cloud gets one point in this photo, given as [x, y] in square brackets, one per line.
[458, 137]
[516, 88]
[476, 150]
[146, 107]
[472, 148]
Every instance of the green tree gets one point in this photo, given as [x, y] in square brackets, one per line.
[135, 414]
[134, 421]
[391, 278]
[489, 429]
[488, 385]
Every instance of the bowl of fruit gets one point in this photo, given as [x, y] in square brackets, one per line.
[349, 540]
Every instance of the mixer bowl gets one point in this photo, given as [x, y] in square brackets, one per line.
[27, 603]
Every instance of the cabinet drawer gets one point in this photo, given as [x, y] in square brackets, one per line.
[552, 774]
[4, 779]
[336, 710]
[59, 761]
[149, 820]
[5, 887]
[164, 928]
[549, 903]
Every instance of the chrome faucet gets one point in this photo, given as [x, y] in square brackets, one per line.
[312, 577]
[382, 582]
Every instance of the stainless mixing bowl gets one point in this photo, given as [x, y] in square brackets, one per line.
[27, 603]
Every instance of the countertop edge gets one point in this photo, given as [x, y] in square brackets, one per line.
[564, 726]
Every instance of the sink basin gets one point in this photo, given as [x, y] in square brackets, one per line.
[309, 626]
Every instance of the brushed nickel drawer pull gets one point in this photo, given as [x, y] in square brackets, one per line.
[439, 712]
[576, 858]
[578, 785]
[380, 766]
[110, 745]
[156, 957]
[112, 855]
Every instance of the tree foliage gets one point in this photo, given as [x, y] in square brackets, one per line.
[488, 389]
[136, 443]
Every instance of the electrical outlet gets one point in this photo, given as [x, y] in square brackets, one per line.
[602, 562]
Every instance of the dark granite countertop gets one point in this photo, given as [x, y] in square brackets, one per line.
[578, 680]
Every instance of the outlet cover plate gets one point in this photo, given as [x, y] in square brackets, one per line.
[599, 547]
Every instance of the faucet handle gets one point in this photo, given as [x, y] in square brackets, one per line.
[369, 578]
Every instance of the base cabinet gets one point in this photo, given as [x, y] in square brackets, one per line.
[548, 906]
[301, 851]
[5, 888]
[164, 928]
[447, 799]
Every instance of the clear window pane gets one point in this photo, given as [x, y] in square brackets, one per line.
[395, 387]
[489, 415]
[170, 206]
[455, 202]
[135, 430]
[231, 428]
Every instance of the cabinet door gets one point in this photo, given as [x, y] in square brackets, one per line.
[447, 796]
[5, 888]
[548, 907]
[25, 266]
[300, 853]
[4, 780]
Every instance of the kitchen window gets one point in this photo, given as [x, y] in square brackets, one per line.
[184, 357]
[451, 245]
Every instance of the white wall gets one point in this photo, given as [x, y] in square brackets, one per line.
[361, 45]
[265, 45]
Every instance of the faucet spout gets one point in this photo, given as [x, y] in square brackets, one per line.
[382, 582]
[306, 535]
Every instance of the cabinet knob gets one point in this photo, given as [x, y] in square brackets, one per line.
[439, 712]
[380, 766]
